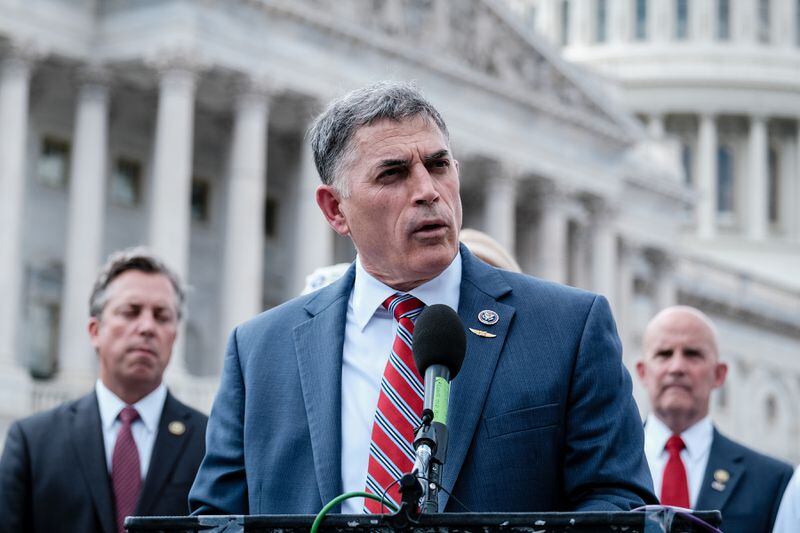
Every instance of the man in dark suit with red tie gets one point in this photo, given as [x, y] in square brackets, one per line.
[127, 448]
[692, 464]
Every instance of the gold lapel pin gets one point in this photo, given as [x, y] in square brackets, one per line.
[481, 333]
[177, 427]
[721, 475]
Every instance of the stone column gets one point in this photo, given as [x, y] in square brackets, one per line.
[172, 179]
[796, 201]
[619, 19]
[702, 20]
[666, 292]
[580, 23]
[744, 21]
[500, 208]
[547, 20]
[604, 252]
[757, 184]
[86, 214]
[172, 167]
[706, 183]
[15, 73]
[243, 254]
[553, 240]
[624, 299]
[661, 20]
[314, 237]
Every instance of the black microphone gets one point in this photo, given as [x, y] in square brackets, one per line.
[439, 345]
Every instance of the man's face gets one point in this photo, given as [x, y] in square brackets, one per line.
[403, 211]
[680, 367]
[134, 335]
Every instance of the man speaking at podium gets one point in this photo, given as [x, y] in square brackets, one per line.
[541, 416]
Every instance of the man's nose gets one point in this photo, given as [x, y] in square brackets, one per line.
[146, 324]
[424, 185]
[677, 363]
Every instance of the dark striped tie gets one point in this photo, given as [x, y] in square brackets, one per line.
[391, 452]
[126, 476]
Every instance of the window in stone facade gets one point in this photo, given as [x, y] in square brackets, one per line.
[53, 165]
[773, 182]
[640, 20]
[681, 19]
[686, 160]
[601, 21]
[201, 200]
[723, 20]
[44, 284]
[764, 17]
[725, 182]
[771, 410]
[126, 182]
[797, 23]
[564, 22]
[271, 217]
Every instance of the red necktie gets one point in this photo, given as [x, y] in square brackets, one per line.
[674, 486]
[391, 451]
[126, 477]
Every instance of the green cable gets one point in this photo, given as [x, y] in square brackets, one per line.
[342, 497]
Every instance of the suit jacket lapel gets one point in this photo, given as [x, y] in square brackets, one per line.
[718, 486]
[318, 344]
[481, 286]
[166, 452]
[87, 442]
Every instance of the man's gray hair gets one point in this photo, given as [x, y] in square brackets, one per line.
[138, 258]
[332, 132]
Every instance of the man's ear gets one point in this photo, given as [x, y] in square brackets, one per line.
[640, 369]
[94, 329]
[720, 373]
[329, 202]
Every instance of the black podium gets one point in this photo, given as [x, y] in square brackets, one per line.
[656, 521]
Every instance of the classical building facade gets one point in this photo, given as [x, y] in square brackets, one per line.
[180, 125]
[720, 79]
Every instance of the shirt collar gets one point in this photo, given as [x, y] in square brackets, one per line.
[369, 293]
[149, 407]
[697, 438]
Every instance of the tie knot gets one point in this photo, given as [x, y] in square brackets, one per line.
[674, 445]
[128, 415]
[402, 305]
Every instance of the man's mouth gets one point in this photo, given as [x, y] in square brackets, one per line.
[430, 229]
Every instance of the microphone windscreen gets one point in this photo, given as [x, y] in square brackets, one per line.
[439, 339]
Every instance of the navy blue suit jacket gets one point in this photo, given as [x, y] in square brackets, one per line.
[541, 416]
[54, 477]
[750, 496]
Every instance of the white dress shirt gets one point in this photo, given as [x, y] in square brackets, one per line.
[368, 336]
[695, 455]
[144, 429]
[788, 519]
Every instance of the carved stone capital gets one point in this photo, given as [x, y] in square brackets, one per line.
[20, 56]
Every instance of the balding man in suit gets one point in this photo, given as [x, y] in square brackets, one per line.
[693, 465]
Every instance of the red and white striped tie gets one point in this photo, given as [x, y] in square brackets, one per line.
[391, 451]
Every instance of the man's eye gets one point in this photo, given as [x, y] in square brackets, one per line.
[390, 173]
[441, 163]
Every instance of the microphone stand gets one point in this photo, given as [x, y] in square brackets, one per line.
[431, 451]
